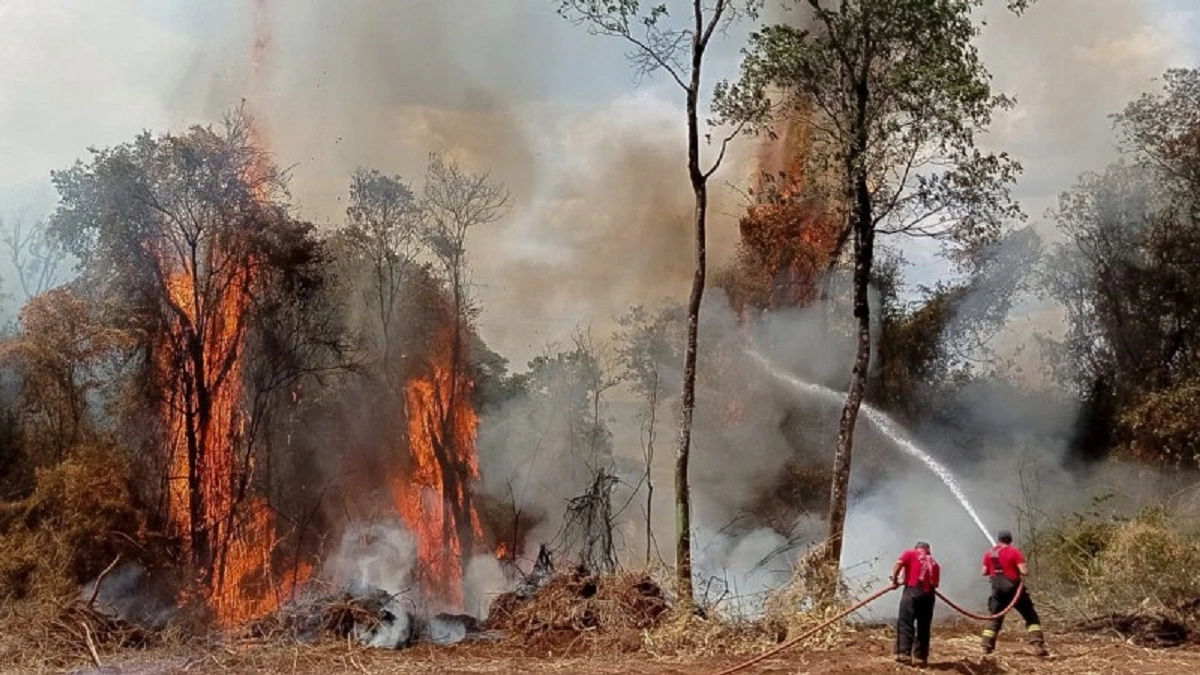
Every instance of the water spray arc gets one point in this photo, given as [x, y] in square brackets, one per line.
[887, 426]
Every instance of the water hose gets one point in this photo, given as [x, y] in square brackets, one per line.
[983, 617]
[809, 633]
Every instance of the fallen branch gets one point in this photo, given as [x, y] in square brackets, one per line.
[96, 591]
[91, 645]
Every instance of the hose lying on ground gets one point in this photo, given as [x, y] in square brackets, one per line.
[809, 633]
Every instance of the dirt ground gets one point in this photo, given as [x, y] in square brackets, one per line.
[865, 652]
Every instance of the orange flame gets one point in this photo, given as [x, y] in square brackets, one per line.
[240, 529]
[241, 532]
[434, 499]
[790, 234]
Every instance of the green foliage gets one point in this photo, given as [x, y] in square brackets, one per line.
[63, 355]
[930, 347]
[1128, 275]
[1110, 564]
[895, 91]
[1161, 426]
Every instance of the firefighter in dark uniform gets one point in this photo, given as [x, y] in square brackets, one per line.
[919, 573]
[1004, 564]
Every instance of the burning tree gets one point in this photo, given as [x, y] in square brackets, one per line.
[791, 236]
[442, 421]
[895, 93]
[188, 237]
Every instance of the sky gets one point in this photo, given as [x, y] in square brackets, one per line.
[600, 202]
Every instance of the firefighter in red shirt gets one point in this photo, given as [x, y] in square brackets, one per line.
[1005, 565]
[919, 573]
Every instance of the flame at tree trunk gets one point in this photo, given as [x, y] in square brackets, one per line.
[228, 533]
[434, 499]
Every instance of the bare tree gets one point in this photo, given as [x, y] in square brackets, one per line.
[679, 50]
[644, 343]
[383, 226]
[34, 256]
[599, 374]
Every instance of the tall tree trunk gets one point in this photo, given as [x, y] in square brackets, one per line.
[683, 507]
[864, 250]
[858, 380]
[454, 470]
[198, 420]
[650, 467]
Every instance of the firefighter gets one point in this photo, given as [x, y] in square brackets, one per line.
[919, 573]
[1004, 564]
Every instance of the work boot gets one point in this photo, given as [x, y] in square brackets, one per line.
[904, 659]
[1037, 640]
[921, 663]
[989, 641]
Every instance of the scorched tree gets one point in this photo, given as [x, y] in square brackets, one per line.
[187, 239]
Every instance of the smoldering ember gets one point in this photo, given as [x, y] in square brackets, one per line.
[716, 336]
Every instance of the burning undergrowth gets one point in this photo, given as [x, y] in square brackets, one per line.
[371, 590]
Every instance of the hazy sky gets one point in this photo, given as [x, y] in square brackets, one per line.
[600, 200]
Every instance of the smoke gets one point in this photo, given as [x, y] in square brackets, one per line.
[380, 554]
[595, 167]
[128, 593]
[483, 581]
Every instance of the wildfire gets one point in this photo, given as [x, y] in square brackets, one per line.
[238, 531]
[790, 234]
[434, 498]
[227, 532]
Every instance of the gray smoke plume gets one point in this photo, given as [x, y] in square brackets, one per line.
[380, 554]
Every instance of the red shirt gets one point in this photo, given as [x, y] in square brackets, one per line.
[1010, 556]
[911, 561]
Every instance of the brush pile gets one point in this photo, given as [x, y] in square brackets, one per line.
[615, 608]
[335, 616]
[1147, 629]
[85, 626]
[367, 615]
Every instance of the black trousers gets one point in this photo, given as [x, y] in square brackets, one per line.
[1002, 594]
[912, 626]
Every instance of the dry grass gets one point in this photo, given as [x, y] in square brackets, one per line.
[867, 652]
[1139, 579]
[80, 516]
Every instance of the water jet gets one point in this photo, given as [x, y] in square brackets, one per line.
[885, 424]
